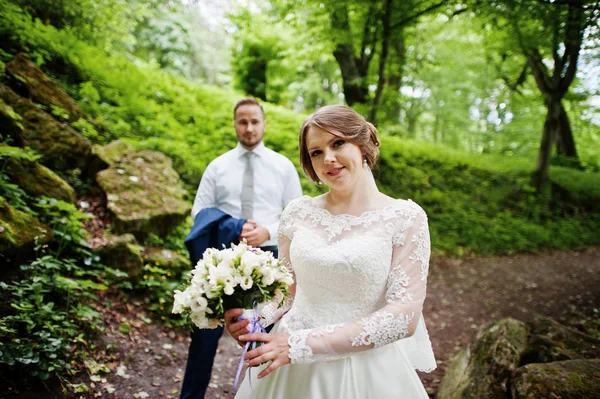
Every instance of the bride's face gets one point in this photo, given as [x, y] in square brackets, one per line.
[336, 161]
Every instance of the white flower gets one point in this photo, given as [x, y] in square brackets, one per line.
[249, 262]
[246, 282]
[268, 276]
[228, 290]
[200, 320]
[181, 302]
[198, 304]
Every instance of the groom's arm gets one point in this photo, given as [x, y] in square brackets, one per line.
[206, 196]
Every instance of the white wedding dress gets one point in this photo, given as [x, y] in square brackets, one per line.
[355, 323]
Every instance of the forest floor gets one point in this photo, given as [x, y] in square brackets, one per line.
[149, 360]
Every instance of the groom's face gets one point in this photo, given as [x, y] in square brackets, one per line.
[249, 125]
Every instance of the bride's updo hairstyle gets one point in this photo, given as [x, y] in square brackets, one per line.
[343, 122]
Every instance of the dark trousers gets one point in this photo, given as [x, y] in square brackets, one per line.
[201, 356]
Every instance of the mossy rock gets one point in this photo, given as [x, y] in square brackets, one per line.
[114, 152]
[550, 341]
[166, 259]
[123, 253]
[19, 233]
[10, 124]
[144, 193]
[108, 155]
[569, 379]
[61, 147]
[35, 179]
[40, 88]
[482, 370]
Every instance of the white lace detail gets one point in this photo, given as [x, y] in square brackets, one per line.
[300, 353]
[360, 280]
[422, 249]
[382, 328]
[397, 286]
[272, 311]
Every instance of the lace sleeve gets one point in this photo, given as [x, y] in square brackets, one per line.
[398, 319]
[272, 311]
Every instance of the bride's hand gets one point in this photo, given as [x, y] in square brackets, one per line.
[236, 328]
[275, 349]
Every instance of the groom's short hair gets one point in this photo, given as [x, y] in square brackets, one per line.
[248, 101]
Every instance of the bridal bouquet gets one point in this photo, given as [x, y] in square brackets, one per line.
[236, 277]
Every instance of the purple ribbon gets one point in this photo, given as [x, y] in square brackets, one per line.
[254, 327]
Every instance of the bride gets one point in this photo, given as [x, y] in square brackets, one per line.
[354, 327]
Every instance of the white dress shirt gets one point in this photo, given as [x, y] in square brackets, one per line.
[276, 183]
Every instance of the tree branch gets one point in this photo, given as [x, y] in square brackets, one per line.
[414, 17]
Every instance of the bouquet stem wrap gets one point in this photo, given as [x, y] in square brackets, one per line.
[254, 327]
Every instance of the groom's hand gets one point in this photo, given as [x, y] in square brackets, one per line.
[257, 236]
[275, 349]
[236, 328]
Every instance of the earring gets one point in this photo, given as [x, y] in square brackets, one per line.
[365, 162]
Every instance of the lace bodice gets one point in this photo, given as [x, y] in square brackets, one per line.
[360, 280]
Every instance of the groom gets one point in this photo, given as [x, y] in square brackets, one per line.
[250, 185]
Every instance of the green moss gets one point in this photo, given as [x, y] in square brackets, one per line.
[144, 193]
[36, 180]
[20, 230]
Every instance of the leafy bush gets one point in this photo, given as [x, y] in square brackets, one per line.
[52, 313]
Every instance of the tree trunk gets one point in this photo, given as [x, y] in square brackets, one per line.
[385, 47]
[353, 77]
[541, 174]
[565, 144]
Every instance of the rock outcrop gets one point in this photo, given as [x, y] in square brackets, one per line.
[61, 147]
[40, 88]
[540, 359]
[35, 179]
[144, 193]
[570, 379]
[19, 233]
[166, 259]
[10, 124]
[122, 253]
[482, 369]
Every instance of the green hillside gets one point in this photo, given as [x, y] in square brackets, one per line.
[476, 203]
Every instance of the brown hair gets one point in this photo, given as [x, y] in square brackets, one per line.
[247, 101]
[344, 122]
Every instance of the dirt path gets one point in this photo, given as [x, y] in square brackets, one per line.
[149, 360]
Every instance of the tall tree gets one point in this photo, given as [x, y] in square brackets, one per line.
[549, 35]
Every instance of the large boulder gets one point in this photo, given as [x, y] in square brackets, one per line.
[10, 124]
[144, 193]
[570, 379]
[122, 253]
[35, 179]
[41, 89]
[61, 147]
[19, 234]
[482, 370]
[550, 341]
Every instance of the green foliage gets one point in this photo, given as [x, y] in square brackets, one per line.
[476, 203]
[158, 285]
[52, 306]
[485, 204]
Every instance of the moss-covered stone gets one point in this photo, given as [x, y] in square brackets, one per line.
[61, 147]
[10, 124]
[482, 369]
[144, 193]
[570, 379]
[35, 179]
[114, 152]
[19, 233]
[550, 341]
[40, 88]
[166, 259]
[123, 253]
